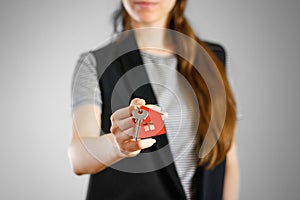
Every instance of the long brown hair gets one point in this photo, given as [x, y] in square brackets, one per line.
[178, 22]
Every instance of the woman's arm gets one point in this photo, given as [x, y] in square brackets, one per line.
[90, 153]
[231, 182]
[87, 148]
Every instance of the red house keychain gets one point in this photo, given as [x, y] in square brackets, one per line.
[153, 124]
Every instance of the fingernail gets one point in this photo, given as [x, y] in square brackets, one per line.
[142, 101]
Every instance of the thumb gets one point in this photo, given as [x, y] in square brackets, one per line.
[132, 145]
[137, 102]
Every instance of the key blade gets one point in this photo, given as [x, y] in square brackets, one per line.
[137, 129]
[139, 116]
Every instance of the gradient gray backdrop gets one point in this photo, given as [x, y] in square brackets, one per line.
[41, 41]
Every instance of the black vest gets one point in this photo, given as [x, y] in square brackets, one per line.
[163, 183]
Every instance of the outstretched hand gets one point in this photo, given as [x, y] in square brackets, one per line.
[123, 130]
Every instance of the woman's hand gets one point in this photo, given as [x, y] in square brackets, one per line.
[123, 130]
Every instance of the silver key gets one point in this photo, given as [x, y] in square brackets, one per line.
[139, 115]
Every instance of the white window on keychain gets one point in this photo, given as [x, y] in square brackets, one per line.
[149, 127]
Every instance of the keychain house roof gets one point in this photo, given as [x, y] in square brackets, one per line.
[153, 125]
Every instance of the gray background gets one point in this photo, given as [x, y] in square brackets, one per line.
[41, 41]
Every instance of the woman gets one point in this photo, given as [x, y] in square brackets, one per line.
[164, 166]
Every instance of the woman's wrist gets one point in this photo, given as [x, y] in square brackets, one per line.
[109, 150]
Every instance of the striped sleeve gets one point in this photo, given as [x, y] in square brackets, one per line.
[85, 86]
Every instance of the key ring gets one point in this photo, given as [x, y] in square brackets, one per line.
[138, 108]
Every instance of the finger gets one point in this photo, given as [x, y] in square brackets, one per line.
[137, 102]
[122, 136]
[132, 145]
[122, 113]
[122, 124]
[126, 112]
